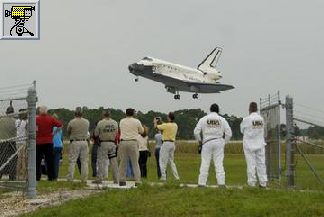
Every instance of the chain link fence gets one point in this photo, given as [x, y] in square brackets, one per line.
[17, 118]
[270, 111]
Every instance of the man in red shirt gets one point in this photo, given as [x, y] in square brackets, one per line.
[44, 142]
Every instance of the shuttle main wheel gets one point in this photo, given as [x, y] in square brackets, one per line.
[177, 96]
[195, 96]
[136, 79]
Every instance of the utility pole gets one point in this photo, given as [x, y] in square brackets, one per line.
[31, 184]
[290, 147]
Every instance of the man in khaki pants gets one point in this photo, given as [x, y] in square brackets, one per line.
[106, 130]
[77, 130]
[130, 127]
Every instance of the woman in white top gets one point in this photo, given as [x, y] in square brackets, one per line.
[21, 126]
[143, 151]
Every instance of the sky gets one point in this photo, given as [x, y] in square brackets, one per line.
[85, 48]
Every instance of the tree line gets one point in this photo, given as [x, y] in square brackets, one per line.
[185, 118]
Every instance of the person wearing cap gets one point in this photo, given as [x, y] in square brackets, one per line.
[8, 143]
[212, 131]
[169, 131]
[252, 128]
[130, 127]
[78, 130]
[44, 142]
[107, 130]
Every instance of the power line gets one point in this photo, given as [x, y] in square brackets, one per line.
[309, 115]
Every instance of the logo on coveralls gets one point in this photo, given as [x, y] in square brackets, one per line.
[213, 123]
[257, 124]
[19, 19]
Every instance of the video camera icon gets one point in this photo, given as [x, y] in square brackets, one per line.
[20, 14]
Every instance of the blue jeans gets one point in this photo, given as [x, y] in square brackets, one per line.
[129, 171]
[157, 157]
[94, 152]
[57, 157]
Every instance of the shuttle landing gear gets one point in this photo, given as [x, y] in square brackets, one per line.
[177, 96]
[136, 79]
[195, 96]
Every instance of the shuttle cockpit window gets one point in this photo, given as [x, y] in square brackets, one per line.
[148, 59]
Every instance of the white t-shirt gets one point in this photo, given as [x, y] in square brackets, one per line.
[142, 143]
[130, 128]
[21, 126]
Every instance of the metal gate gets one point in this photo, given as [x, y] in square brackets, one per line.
[270, 111]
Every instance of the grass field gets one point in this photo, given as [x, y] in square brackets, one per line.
[188, 162]
[172, 200]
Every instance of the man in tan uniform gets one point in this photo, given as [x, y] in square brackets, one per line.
[106, 130]
[130, 127]
[77, 130]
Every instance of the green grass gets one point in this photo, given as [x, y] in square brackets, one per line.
[46, 186]
[171, 200]
[188, 163]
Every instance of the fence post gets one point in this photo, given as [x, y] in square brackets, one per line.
[31, 183]
[290, 142]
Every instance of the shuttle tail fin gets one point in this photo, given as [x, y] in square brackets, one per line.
[211, 60]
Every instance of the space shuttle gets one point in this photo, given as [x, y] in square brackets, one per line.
[203, 79]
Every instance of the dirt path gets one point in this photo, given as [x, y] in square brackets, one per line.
[13, 204]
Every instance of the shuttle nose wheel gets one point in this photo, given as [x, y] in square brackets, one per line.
[177, 96]
[195, 96]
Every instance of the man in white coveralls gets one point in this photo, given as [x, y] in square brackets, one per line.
[212, 131]
[252, 128]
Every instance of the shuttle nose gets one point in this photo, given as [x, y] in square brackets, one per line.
[131, 67]
[135, 67]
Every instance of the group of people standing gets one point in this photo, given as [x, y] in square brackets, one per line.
[130, 138]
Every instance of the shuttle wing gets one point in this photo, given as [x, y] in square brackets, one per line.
[195, 87]
[208, 87]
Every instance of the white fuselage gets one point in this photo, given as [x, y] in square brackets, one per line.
[184, 73]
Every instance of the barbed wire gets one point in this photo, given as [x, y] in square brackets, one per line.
[16, 114]
[315, 122]
[14, 90]
[13, 97]
[26, 85]
[310, 108]
[307, 114]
